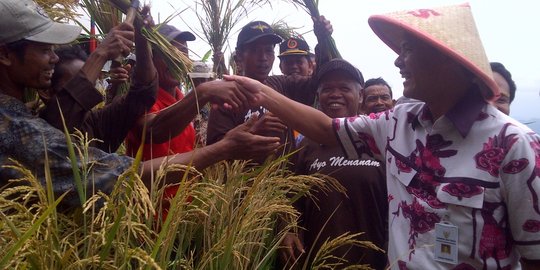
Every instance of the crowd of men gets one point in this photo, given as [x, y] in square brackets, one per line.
[444, 180]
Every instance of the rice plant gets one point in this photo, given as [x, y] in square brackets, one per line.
[222, 218]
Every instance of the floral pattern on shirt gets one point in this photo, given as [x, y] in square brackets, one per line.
[472, 168]
[494, 151]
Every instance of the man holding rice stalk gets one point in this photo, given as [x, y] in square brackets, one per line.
[463, 178]
[27, 59]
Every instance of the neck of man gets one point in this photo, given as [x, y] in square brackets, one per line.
[10, 88]
[448, 94]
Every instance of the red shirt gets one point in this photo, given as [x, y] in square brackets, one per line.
[183, 142]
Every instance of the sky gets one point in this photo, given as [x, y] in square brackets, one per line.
[508, 30]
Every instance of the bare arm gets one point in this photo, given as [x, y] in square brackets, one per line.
[170, 121]
[231, 147]
[309, 121]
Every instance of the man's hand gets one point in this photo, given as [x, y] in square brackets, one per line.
[118, 42]
[291, 249]
[242, 144]
[322, 27]
[268, 124]
[253, 89]
[119, 75]
[226, 94]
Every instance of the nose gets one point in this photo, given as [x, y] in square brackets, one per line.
[54, 58]
[398, 62]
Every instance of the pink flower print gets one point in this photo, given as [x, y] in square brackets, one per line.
[461, 190]
[370, 142]
[390, 197]
[402, 265]
[351, 118]
[494, 151]
[535, 145]
[420, 220]
[374, 116]
[425, 192]
[515, 166]
[402, 167]
[482, 116]
[532, 226]
[495, 239]
[490, 160]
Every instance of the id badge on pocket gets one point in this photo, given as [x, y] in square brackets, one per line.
[446, 243]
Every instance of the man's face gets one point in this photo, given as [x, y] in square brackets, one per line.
[181, 45]
[419, 64]
[503, 102]
[257, 58]
[295, 65]
[66, 71]
[377, 98]
[339, 95]
[36, 68]
[166, 78]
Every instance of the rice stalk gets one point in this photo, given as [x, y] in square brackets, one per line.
[312, 8]
[105, 15]
[60, 10]
[222, 218]
[324, 259]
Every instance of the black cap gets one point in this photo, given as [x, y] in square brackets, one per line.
[293, 46]
[172, 33]
[339, 64]
[255, 30]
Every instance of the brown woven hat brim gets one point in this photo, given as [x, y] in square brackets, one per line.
[463, 45]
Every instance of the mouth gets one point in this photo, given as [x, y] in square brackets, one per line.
[263, 68]
[405, 75]
[335, 105]
[48, 73]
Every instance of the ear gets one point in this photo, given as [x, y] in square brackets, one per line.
[4, 56]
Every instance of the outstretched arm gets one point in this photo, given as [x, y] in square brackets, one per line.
[169, 122]
[232, 146]
[309, 121]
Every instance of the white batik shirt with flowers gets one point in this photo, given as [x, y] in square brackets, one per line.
[475, 168]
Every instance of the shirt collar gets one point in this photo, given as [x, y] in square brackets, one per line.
[467, 111]
[463, 115]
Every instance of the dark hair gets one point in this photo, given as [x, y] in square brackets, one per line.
[19, 47]
[378, 81]
[67, 53]
[499, 68]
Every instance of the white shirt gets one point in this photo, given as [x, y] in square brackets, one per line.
[475, 168]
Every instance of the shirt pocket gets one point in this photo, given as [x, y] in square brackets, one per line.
[401, 172]
[462, 194]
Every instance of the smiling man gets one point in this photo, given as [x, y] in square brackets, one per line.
[27, 59]
[362, 207]
[463, 178]
[377, 96]
[255, 54]
[294, 57]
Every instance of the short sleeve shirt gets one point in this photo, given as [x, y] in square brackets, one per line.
[474, 167]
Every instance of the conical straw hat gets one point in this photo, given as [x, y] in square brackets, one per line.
[450, 29]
